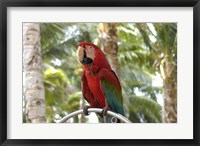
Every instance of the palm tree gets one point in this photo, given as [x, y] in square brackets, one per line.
[164, 58]
[108, 39]
[34, 88]
[168, 69]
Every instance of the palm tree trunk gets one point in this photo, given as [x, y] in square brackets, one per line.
[168, 71]
[34, 88]
[108, 37]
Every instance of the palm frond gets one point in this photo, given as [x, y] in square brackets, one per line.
[146, 109]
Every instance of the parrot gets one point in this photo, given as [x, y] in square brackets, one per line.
[100, 85]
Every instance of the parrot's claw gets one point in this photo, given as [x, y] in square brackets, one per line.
[85, 110]
[104, 113]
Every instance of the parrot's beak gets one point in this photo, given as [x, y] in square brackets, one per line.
[82, 56]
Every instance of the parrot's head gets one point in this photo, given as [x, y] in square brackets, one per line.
[86, 52]
[91, 55]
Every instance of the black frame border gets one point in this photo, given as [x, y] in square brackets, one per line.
[98, 3]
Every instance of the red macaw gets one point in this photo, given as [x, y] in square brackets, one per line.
[100, 85]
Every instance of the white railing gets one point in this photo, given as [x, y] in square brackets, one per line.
[96, 110]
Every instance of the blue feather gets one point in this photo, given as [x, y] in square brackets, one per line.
[113, 97]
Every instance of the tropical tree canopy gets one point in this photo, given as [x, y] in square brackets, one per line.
[145, 61]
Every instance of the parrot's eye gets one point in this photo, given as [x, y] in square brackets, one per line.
[90, 47]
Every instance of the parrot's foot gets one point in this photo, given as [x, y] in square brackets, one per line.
[104, 111]
[104, 114]
[85, 110]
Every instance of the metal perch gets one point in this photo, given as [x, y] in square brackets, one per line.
[96, 110]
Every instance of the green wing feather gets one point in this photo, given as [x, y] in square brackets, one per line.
[112, 90]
